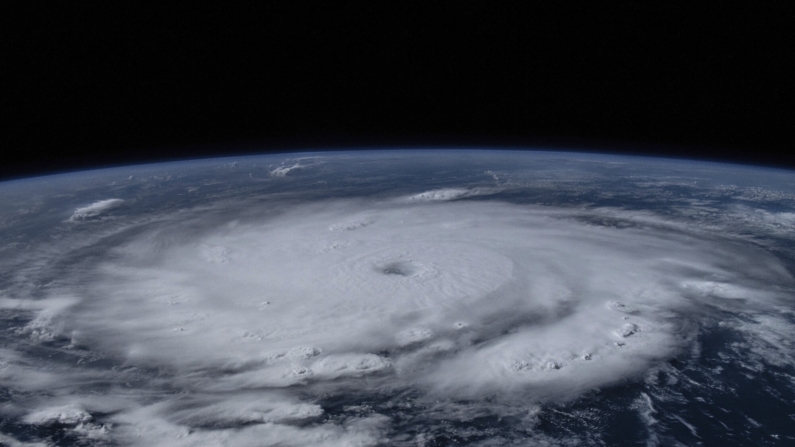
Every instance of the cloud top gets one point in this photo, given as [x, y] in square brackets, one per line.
[448, 194]
[291, 166]
[95, 209]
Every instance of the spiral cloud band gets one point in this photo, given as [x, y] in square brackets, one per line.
[464, 298]
[242, 329]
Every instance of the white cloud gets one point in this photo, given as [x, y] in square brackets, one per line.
[298, 164]
[282, 171]
[11, 442]
[70, 415]
[95, 209]
[494, 303]
[447, 194]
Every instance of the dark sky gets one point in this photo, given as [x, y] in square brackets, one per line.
[100, 83]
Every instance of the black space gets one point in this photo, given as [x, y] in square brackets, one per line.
[93, 84]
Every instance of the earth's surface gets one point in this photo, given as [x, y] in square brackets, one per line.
[400, 298]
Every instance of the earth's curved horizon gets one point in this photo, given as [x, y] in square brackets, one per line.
[373, 298]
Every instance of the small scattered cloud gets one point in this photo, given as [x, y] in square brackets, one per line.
[95, 209]
[282, 171]
[449, 194]
[290, 167]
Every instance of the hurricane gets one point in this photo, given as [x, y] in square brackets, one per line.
[296, 311]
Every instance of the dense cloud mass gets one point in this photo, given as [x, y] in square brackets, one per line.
[211, 326]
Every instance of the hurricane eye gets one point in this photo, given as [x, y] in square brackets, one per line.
[401, 268]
